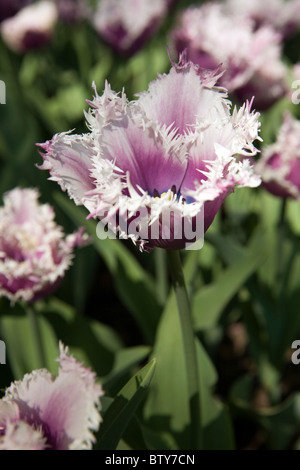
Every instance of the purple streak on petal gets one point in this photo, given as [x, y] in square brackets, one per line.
[62, 412]
[176, 99]
[143, 155]
[65, 408]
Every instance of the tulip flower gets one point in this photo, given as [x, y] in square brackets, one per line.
[34, 254]
[127, 24]
[279, 165]
[45, 412]
[31, 27]
[154, 167]
[283, 16]
[250, 58]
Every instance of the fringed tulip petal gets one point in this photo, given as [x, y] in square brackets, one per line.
[279, 166]
[160, 163]
[250, 58]
[34, 255]
[58, 413]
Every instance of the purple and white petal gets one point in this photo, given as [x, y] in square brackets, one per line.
[126, 24]
[279, 165]
[182, 98]
[31, 27]
[281, 15]
[34, 255]
[250, 57]
[68, 158]
[63, 409]
[171, 155]
[21, 436]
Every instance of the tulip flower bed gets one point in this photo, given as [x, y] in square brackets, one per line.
[149, 225]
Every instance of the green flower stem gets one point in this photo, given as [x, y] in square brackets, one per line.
[189, 346]
[36, 335]
[161, 275]
[272, 385]
[281, 233]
